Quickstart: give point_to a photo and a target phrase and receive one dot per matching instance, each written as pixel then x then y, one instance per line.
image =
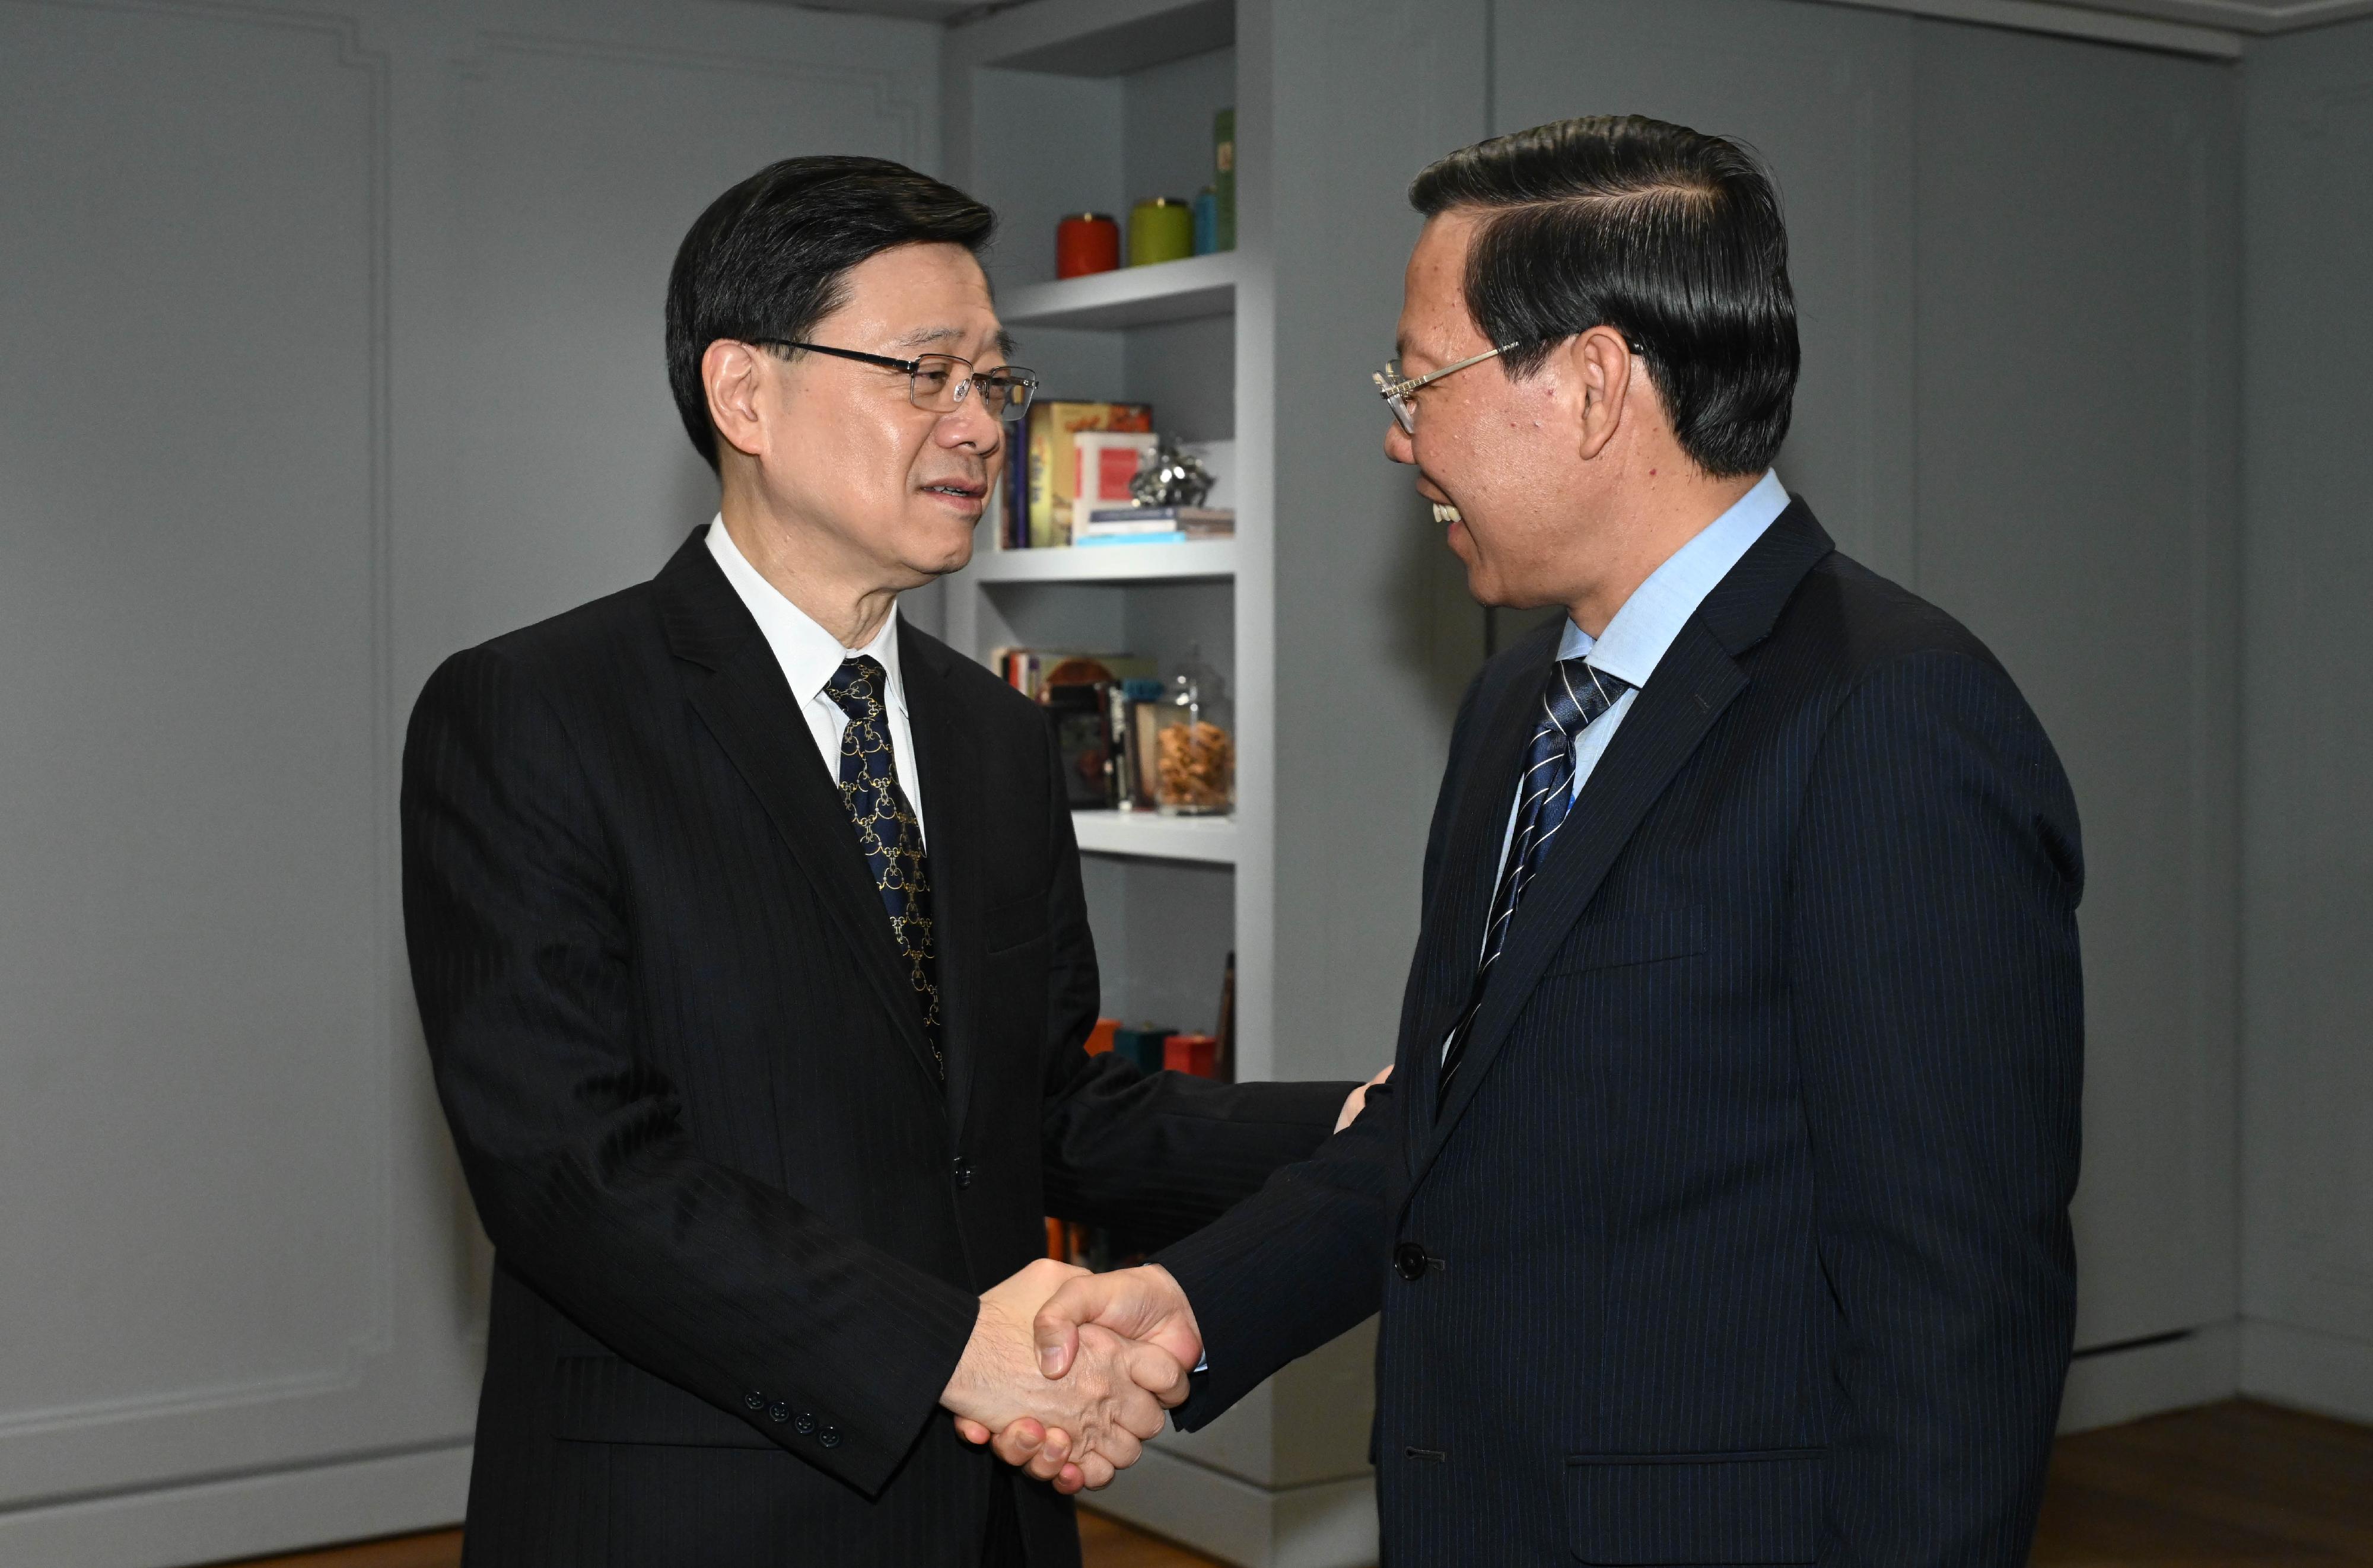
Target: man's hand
pixel 1091 1416
pixel 1358 1099
pixel 1143 1308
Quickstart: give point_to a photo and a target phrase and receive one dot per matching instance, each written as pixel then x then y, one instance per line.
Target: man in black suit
pixel 1717 1211
pixel 746 926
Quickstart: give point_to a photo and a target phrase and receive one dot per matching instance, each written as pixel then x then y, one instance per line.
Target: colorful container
pixel 1086 242
pixel 1161 228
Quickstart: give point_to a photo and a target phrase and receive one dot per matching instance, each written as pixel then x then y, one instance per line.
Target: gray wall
pixel 346 323
pixel 332 342
pixel 2307 725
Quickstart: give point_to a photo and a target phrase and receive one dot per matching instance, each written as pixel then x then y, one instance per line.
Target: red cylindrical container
pixel 1086 242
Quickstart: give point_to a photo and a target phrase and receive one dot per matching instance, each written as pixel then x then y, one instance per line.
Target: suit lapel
pixel 738 691
pixel 1453 938
pixel 1696 680
pixel 944 736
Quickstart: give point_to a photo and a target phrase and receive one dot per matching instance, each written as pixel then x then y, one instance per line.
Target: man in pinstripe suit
pixel 1717 1211
pixel 748 933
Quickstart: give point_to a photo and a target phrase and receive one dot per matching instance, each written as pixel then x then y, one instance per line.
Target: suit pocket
pixel 1647 938
pixel 603 1400
pixel 1642 1509
pixel 1009 928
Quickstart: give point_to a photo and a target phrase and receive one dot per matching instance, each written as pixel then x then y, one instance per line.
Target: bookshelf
pixel 1151 836
pixel 1133 297
pixel 1195 561
pixel 1062 106
pixel 1119 98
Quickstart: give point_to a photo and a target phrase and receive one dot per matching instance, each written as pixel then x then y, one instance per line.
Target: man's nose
pixel 971 424
pixel 1398 445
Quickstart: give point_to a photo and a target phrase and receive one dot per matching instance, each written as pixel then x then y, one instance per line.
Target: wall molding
pixel 375 1338
pixel 1325 1524
pixel 2304 1368
pixel 284 1510
pixel 2242 15
pixel 2195 1368
pixel 893 101
pixel 2068 21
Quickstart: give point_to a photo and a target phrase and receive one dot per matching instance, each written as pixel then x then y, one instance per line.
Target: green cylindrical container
pixel 1161 228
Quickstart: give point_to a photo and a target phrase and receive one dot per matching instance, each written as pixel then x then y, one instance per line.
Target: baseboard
pixel 2197 1368
pixel 247 1516
pixel 1329 1525
pixel 2305 1367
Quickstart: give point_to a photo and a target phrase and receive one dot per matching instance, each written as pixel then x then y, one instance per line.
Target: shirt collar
pixel 809 654
pixel 1634 641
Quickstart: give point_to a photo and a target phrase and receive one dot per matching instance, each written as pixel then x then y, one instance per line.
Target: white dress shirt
pixel 810 656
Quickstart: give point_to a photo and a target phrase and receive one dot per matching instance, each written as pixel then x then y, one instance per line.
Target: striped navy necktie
pixel 888 833
pixel 1575 695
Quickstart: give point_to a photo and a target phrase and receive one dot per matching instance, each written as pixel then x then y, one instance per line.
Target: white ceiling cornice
pixel 2241 16
pixel 2211 28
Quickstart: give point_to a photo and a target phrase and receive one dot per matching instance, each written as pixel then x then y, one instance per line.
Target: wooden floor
pixel 2237 1485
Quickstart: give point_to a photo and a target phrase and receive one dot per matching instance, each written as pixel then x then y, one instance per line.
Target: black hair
pixel 769 258
pixel 1671 236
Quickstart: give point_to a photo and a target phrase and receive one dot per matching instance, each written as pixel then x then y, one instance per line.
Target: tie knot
pixel 858 686
pixel 1576 693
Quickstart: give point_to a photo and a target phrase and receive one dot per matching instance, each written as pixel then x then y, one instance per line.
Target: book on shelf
pixel 1051 468
pixel 1031 671
pixel 1104 466
pixel 1153 525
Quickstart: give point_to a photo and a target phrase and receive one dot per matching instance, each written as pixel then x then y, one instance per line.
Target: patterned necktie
pixel 1575 695
pixel 887 832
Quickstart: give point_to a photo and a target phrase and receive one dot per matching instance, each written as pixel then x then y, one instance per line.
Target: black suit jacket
pixel 741 1225
pixel 1743 1236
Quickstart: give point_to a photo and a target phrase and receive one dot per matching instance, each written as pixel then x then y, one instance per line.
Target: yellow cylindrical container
pixel 1161 228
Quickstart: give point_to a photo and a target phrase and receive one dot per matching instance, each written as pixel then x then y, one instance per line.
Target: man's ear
pixel 734 377
pixel 1601 366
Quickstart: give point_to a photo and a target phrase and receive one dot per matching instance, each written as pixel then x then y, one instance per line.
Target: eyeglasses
pixel 1395 387
pixel 939 383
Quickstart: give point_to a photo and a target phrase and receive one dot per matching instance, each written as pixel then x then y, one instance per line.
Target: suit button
pixel 778 1412
pixel 963 1172
pixel 1409 1261
pixel 755 1400
pixel 829 1437
pixel 805 1424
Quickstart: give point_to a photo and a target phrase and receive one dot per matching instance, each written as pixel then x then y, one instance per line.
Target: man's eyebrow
pixel 925 336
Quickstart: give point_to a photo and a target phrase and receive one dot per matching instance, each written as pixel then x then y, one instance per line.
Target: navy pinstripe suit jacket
pixel 1743 1236
pixel 739 1219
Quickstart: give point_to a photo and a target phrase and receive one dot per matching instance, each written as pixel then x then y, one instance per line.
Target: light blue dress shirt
pixel 1635 640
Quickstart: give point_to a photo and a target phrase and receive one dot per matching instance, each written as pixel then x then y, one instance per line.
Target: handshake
pixel 1068 1372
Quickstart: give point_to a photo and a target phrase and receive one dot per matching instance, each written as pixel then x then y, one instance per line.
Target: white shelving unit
pixel 1133 297
pixel 1121 96
pixel 1064 106
pixel 1209 841
pixel 1196 561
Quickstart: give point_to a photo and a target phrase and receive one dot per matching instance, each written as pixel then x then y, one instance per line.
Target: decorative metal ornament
pixel 1169 478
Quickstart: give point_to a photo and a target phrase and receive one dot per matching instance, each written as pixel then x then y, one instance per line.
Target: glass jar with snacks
pixel 1195 755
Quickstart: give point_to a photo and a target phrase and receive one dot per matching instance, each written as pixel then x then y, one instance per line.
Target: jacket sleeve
pixel 1152 1154
pixel 1938 1013
pixel 573 1143
pixel 1305 1259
